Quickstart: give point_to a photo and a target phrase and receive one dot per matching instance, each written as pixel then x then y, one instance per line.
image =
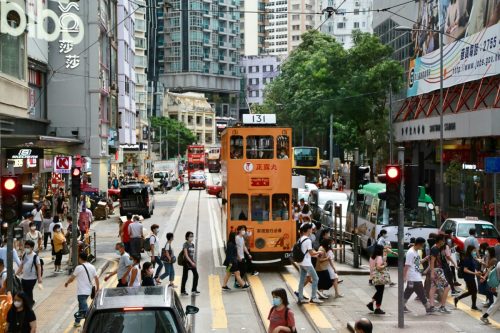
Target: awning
pixel 39 141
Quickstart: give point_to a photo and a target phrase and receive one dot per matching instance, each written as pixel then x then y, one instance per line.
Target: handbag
pixel 65 248
pixel 381 278
pixel 92 293
pixel 164 256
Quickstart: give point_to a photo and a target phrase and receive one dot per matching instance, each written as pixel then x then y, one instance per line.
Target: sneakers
pixel 237 285
pixel 321 295
pixel 184 293
pixel 195 293
pixel 255 273
pixel 316 301
pixel 392 284
pixel 443 309
pixel 296 293
pixel 78 324
pixel 379 311
pixel 485 320
pixel 430 310
pixel 370 306
pixel 226 288
pixel 339 296
pixel 246 286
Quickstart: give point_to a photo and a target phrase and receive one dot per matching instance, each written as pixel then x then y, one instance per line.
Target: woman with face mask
pixel 147 275
pixel 21 318
pixel 35 236
pixel 470 272
pixel 59 241
pixel 281 318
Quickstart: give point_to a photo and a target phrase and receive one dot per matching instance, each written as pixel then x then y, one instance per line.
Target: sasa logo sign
pixel 14 21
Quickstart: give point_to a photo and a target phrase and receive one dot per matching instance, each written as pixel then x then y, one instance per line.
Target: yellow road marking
pixel 261 298
pixel 219 319
pixel 312 310
pixel 474 314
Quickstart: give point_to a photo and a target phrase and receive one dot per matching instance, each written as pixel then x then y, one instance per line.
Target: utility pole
pixel 178 144
pixel 161 156
pixel 331 145
pixel 355 206
pixel 166 139
pixel 391 154
pixel 401 230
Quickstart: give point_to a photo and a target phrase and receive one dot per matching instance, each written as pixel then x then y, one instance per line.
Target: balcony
pixel 221 58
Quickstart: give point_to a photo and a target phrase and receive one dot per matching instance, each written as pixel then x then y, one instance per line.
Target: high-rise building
pixel 200 49
pixel 252 27
pixel 277 30
pixel 257 72
pixel 350 15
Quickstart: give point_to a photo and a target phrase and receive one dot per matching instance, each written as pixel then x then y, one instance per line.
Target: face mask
pixel 28 250
pixel 474 255
pixel 18 304
pixel 156 231
pixel 276 301
pixel 118 252
pixel 33 228
pixel 191 238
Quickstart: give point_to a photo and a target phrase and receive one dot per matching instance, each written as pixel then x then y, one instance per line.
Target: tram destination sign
pixel 259 119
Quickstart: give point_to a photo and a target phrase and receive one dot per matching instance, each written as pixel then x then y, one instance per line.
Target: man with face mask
pixel 241 250
pixel 154 245
pixel 438 276
pixel 30 268
pixel 84 274
pixel 124 266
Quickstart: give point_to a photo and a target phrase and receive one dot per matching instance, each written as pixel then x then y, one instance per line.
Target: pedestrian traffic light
pixel 10 205
pixel 75 181
pixel 411 186
pixel 361 173
pixel 393 185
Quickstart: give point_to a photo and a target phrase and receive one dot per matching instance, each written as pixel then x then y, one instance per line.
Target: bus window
pixel 282 147
pixel 383 214
pixel 280 207
pixel 365 210
pixel 236 149
pixel 260 147
pixel 374 210
pixel 239 207
pixel 260 207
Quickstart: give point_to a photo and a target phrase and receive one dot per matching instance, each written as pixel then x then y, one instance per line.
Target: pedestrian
pixel 84 220
pixel 30 269
pixel 35 236
pixel 47 220
pixel 189 265
pixel 147 273
pixel 38 216
pixel 124 266
pixel 25 225
pixel 363 325
pixel 332 272
pixel 470 272
pixel 21 318
pixel 378 264
pixel 471 240
pixel 59 201
pixel 136 233
pixel 84 274
pixel 134 277
pixel 248 255
pixel 231 262
pixel 168 259
pixel 412 275
pixel 281 318
pixel 124 234
pixel 306 266
pixel 496 305
pixel 438 267
pixel 497 249
pixel 482 281
pixel 154 245
pixel 3 255
pixel 241 251
pixel 59 244
pixel 452 256
pixel 322 264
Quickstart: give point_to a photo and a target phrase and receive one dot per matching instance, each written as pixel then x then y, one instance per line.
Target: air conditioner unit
pixel 357 3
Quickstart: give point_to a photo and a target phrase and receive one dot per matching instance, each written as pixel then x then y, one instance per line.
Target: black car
pixel 137 198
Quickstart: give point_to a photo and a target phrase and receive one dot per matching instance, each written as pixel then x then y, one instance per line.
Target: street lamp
pixel 441 129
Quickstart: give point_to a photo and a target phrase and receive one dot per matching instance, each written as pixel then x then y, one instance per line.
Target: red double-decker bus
pixel 195 159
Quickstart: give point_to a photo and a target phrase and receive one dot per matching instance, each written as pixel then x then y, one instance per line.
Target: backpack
pixel 147 244
pixel 33 263
pixel 286 317
pixel 297 254
pixel 493 280
pixel 181 260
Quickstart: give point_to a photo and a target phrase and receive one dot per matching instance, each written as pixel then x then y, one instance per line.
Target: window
pixel 295 17
pixel 12 55
pixel 260 207
pixel 282 146
pixel 356 25
pixel 295 38
pixel 295 27
pixel 340 25
pixel 281 204
pixel 239 207
pixel 127 86
pixel 236 143
pixel 356 11
pixel 260 147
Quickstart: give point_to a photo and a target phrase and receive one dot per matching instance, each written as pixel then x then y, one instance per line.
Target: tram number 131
pixel 259 119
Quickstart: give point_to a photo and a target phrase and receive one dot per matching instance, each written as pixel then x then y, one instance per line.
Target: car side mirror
pixel 191 309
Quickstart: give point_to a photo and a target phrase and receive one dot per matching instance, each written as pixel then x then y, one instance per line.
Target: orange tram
pixel 257 186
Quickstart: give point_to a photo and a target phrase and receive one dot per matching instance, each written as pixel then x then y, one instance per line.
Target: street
pixel 239 310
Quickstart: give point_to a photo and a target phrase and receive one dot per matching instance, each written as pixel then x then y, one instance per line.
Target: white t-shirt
pixel 305 247
pixel 153 241
pixel 382 242
pixel 3 277
pixel 413 263
pixel 30 269
pixel 35 237
pixel 137 281
pixel 240 246
pixel 37 215
pixel 135 230
pixel 331 272
pixel 84 286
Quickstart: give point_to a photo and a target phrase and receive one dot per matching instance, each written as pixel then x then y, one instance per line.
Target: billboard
pixel 471 37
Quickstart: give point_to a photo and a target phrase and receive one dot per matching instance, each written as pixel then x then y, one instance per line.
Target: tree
pixel 321 78
pixel 173 132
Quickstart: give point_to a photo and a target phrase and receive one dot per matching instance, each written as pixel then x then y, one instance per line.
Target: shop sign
pixel 62 164
pixel 18 163
pixel 469 166
pixel 266 167
pixel 31 162
pixel 492 164
pixel 24 153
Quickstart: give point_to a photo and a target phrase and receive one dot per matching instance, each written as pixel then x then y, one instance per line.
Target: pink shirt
pixel 277 318
pixel 373 262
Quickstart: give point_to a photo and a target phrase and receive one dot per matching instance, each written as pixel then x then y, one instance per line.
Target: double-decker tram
pixel 213 159
pixel 257 186
pixel 306 162
pixel 195 159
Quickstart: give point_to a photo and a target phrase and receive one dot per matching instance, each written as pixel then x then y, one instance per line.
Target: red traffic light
pixel 392 172
pixel 9 184
pixel 75 172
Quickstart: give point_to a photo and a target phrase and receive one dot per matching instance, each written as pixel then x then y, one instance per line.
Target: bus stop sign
pixel 492 164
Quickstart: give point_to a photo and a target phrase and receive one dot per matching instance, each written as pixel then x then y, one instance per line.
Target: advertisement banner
pixel 471 38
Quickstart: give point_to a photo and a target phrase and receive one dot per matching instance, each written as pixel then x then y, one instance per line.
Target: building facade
pixel 194 111
pixel 200 49
pixel 253 27
pixel 257 72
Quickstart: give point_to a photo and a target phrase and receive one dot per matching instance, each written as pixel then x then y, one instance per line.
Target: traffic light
pixel 361 173
pixel 75 181
pixel 13 192
pixel 411 186
pixel 393 184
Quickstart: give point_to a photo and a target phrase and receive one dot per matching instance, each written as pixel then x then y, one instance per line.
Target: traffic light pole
pixel 355 241
pixel 401 230
pixel 10 256
pixel 74 233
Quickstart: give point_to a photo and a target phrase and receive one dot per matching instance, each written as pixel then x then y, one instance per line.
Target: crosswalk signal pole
pixel 401 229
pixel 75 193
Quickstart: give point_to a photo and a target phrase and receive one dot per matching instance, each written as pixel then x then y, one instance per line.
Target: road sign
pixel 62 164
pixel 492 164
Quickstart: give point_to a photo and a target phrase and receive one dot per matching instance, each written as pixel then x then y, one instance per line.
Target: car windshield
pixel 483 230
pixel 338 197
pixel 150 321
pixel 159 174
pixel 197 177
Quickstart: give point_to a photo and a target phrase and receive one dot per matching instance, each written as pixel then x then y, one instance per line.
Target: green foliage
pixel 173 131
pixel 321 78
pixel 453 173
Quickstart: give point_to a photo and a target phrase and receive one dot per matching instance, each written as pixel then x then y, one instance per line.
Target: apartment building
pixel 257 72
pixel 252 27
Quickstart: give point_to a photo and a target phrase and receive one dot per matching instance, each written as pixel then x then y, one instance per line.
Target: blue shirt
pixel 3 255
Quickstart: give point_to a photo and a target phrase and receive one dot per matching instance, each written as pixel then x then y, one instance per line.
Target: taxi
pixel 485 231
pixel 197 180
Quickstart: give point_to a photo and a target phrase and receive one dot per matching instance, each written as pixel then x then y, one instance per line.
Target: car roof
pixel 464 220
pixel 119 298
pixel 134 185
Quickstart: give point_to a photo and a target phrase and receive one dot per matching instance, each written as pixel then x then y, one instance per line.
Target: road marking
pixel 219 319
pixel 215 237
pixel 261 298
pixel 474 314
pixel 313 311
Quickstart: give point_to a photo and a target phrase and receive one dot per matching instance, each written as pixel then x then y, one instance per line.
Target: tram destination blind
pixel 259 119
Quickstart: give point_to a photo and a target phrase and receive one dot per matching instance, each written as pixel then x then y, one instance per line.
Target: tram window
pixel 260 208
pixel 260 147
pixel 281 204
pixel 236 147
pixel 239 207
pixel 282 147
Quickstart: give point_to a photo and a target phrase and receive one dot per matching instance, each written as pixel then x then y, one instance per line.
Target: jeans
pixel 38 225
pixel 185 270
pixel 46 236
pixel 28 286
pixel 304 270
pixel 493 308
pixel 82 306
pixel 160 266
pixel 169 271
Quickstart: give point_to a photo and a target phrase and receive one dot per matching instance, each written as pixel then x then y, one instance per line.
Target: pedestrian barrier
pixel 5 305
pixel 89 245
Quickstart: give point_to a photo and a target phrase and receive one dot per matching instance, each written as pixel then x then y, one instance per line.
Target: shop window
pixel 260 147
pixel 239 207
pixel 281 204
pixel 282 144
pixel 260 208
pixel 236 144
